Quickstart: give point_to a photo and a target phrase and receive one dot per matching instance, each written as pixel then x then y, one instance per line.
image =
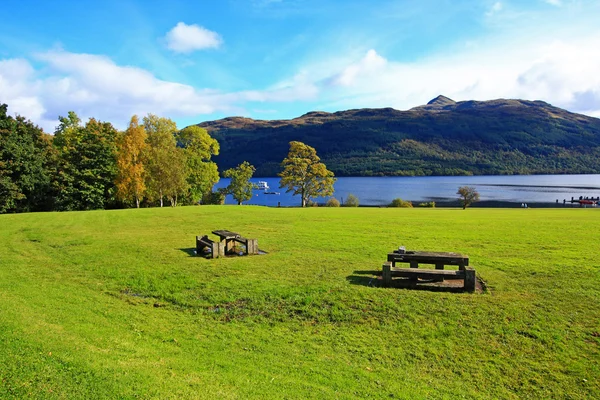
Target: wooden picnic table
pixel 228 238
pixel 439 259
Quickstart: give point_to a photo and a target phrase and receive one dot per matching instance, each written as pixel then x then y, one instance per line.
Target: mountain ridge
pixel 442 137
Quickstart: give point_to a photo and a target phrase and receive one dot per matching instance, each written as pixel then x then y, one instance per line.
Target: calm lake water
pixel 382 190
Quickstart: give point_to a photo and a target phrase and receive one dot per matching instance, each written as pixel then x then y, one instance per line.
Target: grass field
pixel 111 304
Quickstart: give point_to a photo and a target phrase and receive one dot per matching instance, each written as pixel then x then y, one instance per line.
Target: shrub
pixel 332 202
pixel 351 201
pixel 430 204
pixel 217 197
pixel 401 203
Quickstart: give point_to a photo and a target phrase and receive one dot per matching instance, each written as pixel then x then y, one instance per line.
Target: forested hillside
pixel 441 138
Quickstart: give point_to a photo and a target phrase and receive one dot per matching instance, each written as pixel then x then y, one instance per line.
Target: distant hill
pixel 443 137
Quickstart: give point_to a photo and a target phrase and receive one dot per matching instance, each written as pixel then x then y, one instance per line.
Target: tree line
pixel 151 163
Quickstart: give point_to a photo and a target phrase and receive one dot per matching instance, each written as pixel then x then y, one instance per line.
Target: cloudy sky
pixel 200 60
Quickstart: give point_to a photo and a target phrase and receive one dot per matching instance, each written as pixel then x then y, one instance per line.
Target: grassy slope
pixel 111 304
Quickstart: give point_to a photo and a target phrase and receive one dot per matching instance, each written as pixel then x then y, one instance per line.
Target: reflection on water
pixel 382 190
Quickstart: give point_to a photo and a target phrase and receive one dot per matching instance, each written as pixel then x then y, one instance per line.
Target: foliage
pixel 166 173
pixel 26 165
pixel 332 202
pixel 401 203
pixel 107 305
pixel 132 147
pixel 468 196
pixel 429 204
pixel 240 187
pixel 304 174
pixel 199 147
pixel 87 164
pixel 351 201
pixel 215 198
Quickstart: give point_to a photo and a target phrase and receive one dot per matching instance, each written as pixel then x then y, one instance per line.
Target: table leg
pixel 439 266
pixel 414 264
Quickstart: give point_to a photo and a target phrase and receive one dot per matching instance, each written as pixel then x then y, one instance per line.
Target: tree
pixel 87 164
pixel 202 174
pixel 468 196
pixel 351 201
pixel 130 163
pixel 240 187
pixel 304 174
pixel 166 173
pixel 27 163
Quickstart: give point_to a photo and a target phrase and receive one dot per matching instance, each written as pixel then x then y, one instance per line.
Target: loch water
pixel 377 191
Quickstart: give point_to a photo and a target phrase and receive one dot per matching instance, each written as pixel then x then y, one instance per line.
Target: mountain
pixel 443 137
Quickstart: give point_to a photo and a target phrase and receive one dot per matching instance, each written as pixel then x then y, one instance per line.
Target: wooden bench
pixel 228 239
pixel 216 249
pixel 467 274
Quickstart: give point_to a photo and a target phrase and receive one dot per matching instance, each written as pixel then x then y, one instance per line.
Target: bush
pixel 332 202
pixel 401 203
pixel 217 197
pixel 430 204
pixel 351 201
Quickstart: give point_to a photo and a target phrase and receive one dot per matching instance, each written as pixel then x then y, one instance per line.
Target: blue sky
pixel 194 61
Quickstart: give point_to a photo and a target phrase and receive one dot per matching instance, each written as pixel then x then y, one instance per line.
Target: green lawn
pixel 110 304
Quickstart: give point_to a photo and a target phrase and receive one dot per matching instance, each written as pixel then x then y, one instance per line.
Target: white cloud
pixel 496 8
pixel 368 65
pixel 94 86
pixel 562 72
pixel 557 3
pixel 185 38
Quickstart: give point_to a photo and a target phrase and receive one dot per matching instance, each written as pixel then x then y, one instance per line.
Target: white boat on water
pixel 262 185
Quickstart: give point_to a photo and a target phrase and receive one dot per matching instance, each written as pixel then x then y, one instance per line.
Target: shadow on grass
pixel 372 278
pixel 191 251
pixel 364 278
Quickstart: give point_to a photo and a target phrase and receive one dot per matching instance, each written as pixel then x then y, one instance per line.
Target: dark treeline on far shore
pixel 92 165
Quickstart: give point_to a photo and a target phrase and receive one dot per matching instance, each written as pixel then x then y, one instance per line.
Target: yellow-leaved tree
pixel 131 171
pixel 305 174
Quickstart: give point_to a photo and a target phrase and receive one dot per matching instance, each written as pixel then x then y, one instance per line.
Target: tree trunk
pixel 161 198
pixel 137 202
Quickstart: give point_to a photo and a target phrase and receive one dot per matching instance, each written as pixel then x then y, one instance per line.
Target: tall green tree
pixel 240 187
pixel 304 173
pixel 202 173
pixel 166 172
pixel 26 165
pixel 87 164
pixel 130 182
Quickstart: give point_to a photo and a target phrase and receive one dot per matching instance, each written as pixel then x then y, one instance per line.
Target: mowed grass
pixel 111 304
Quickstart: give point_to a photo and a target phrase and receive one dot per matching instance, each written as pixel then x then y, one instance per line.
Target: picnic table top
pixel 224 234
pixel 429 257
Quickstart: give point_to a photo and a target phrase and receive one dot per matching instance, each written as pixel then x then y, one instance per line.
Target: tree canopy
pixel 240 187
pixel 304 174
pixel 87 163
pixel 132 147
pixel 202 173
pixel 26 165
pixel 468 195
pixel 166 174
